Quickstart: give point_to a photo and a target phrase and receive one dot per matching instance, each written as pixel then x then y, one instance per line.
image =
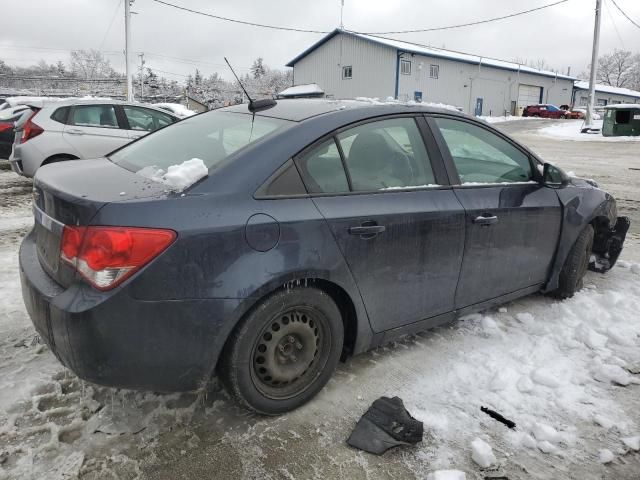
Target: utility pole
pixel 141 55
pixel 588 123
pixel 127 48
pixel 341 12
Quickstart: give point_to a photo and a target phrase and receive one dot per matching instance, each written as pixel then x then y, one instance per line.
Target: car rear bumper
pixel 113 339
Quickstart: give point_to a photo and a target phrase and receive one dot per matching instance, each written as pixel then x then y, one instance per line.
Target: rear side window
pixel 94 116
pixel 211 137
pixel 144 119
pixel 322 169
pixel 386 155
pixel 481 156
pixel 61 115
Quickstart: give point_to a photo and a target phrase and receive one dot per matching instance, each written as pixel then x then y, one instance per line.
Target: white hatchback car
pixel 80 129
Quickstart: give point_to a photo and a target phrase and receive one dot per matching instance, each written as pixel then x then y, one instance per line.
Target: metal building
pixel 347 65
pixel 605 95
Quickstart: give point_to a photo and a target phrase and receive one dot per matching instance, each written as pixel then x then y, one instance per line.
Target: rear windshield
pixel 211 137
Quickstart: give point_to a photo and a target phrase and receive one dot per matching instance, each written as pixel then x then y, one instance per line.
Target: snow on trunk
pixel 177 177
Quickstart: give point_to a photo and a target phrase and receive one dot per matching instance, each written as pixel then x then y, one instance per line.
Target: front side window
pixel 144 119
pixel 94 116
pixel 347 72
pixel 405 67
pixel 211 137
pixel 481 156
pixel 322 169
pixel 434 71
pixel 386 155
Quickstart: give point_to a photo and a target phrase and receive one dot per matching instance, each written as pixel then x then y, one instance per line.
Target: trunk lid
pixel 71 193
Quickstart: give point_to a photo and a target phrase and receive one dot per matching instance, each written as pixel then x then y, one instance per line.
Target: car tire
pixel 284 351
pixel 576 265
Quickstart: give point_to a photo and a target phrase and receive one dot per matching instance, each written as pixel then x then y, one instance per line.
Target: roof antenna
pixel 254 105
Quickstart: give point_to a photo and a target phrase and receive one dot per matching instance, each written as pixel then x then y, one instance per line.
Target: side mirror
pixel 553 176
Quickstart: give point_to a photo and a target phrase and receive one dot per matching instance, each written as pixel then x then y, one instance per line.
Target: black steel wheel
pixel 575 266
pixel 284 351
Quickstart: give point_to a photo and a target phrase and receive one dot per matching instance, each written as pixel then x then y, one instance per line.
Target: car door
pixel 512 221
pixel 397 222
pixel 94 130
pixel 142 121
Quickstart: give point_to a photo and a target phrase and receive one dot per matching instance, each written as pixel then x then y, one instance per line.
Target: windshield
pixel 553 108
pixel 211 137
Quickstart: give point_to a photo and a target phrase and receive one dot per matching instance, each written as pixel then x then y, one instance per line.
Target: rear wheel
pixel 284 351
pixel 576 265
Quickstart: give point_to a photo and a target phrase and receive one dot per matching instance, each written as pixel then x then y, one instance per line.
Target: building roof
pixel 582 85
pixel 431 52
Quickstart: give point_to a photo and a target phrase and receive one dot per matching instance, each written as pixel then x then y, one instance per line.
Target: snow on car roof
pixel 308 89
pixel 433 52
pixel 582 85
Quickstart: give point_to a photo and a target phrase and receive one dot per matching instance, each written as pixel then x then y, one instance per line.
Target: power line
pixel 623 13
pixel 243 22
pixel 115 13
pixel 479 22
pixel 613 22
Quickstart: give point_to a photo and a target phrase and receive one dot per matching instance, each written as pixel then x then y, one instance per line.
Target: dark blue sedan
pixel 318 230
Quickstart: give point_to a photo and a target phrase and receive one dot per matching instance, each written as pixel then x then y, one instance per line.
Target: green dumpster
pixel 621 120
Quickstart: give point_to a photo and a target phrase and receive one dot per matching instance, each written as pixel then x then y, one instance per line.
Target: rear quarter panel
pixel 212 259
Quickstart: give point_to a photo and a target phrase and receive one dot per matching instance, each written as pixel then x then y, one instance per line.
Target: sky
pixel 175 43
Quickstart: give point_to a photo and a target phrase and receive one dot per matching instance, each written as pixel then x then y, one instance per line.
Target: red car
pixel 543 111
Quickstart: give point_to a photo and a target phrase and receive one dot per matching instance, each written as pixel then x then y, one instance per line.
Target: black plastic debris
pixel 495 415
pixel 386 424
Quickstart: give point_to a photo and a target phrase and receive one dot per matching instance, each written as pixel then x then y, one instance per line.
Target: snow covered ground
pixel 566 372
pixel 570 130
pixel 507 118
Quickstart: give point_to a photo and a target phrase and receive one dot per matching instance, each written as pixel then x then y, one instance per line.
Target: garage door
pixel 528 95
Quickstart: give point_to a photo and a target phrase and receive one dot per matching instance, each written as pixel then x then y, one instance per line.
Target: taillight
pixel 5 126
pixel 31 129
pixel 106 256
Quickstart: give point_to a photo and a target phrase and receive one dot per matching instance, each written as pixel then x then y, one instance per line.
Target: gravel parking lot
pixel 563 371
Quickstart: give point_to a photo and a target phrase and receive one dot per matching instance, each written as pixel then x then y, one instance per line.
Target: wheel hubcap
pixel 287 351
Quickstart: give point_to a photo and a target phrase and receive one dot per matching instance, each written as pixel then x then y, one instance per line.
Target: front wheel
pixel 284 351
pixel 575 266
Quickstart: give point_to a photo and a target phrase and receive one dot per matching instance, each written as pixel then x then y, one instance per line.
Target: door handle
pixel 75 131
pixel 485 220
pixel 367 231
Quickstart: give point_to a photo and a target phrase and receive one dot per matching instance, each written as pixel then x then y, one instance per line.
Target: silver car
pixel 80 129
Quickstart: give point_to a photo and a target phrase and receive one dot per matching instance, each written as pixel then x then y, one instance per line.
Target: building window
pixel 434 71
pixel 584 101
pixel 347 72
pixel 601 102
pixel 405 67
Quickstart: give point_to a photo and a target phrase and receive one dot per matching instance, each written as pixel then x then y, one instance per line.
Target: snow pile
pixel 571 130
pixel 632 442
pixel 506 118
pixel 482 453
pixel 447 475
pixel 177 177
pixel 606 456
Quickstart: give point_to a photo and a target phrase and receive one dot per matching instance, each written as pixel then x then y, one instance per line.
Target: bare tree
pixel 616 69
pixel 90 64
